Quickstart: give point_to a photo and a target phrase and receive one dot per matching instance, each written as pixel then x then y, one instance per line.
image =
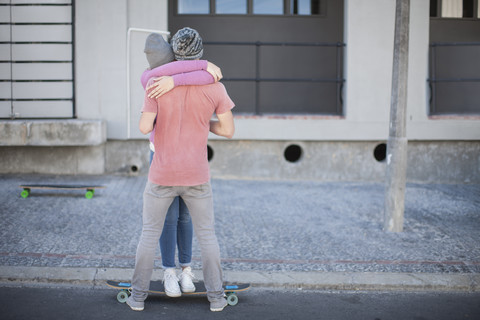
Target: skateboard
pixel 157 287
pixel 90 190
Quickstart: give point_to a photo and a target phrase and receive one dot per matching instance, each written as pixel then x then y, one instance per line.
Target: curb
pixel 381 281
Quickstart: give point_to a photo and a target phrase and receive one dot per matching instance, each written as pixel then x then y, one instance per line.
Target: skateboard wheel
pixel 232 299
pixel 25 193
pixel 122 296
pixel 89 194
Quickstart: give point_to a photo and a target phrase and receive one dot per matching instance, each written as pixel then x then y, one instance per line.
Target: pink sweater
pixel 188 72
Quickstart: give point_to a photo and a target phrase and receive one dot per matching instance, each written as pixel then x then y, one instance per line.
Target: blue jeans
pixel 177 231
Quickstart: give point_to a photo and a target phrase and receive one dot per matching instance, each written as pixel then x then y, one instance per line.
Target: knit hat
pixel 187 44
pixel 157 50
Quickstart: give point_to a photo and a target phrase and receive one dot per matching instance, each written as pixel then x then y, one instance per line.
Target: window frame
pixel 287 11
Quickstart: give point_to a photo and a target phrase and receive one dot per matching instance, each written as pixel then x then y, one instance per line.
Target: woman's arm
pixel 172 68
pixel 157 87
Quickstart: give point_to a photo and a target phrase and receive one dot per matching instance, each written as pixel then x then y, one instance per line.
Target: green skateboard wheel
pixel 89 194
pixel 25 193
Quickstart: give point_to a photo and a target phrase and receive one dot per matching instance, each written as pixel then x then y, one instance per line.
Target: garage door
pixel 277 56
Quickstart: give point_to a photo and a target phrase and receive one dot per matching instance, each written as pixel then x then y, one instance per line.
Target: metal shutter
pixel 36 59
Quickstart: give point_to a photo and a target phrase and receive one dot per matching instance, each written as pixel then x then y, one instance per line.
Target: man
pixel 180 168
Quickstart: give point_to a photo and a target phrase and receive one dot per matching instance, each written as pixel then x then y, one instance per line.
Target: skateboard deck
pixel 90 190
pixel 157 287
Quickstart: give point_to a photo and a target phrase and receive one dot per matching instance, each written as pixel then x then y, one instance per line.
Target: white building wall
pixel 101 52
pixel 369 30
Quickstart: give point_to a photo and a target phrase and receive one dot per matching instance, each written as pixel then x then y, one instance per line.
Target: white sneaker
pixel 186 280
pixel 170 282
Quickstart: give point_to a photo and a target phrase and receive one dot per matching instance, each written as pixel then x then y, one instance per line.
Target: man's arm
pixel 225 126
pixel 146 122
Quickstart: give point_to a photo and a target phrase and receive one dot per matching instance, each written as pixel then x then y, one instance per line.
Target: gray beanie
pixel 187 44
pixel 157 50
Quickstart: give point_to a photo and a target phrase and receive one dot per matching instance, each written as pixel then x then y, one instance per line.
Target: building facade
pixel 311 81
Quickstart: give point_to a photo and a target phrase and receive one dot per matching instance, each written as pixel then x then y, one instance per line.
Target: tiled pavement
pixel 262 226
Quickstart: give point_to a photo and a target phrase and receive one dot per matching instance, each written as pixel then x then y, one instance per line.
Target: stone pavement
pixel 306 234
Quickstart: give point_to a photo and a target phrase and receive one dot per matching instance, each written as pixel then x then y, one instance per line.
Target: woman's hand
pixel 215 71
pixel 160 86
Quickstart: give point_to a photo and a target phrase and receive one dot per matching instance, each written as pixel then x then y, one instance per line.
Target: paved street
pixel 85 303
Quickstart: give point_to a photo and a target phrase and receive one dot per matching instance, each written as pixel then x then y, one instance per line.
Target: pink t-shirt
pixel 185 72
pixel 181 133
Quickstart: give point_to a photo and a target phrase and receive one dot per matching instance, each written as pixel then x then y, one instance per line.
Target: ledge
pixel 383 281
pixel 70 132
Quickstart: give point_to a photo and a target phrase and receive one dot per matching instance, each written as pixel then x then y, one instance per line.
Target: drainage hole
pixel 293 153
pixel 380 152
pixel 134 168
pixel 209 153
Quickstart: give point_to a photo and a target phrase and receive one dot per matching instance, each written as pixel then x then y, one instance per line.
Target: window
pixel 305 7
pixel 454 9
pixel 252 7
pixel 231 7
pixel 193 6
pixel 268 6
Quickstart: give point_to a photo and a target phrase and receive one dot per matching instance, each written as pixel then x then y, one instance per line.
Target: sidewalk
pixel 313 235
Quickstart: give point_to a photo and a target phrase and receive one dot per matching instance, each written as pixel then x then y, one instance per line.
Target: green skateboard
pixel 90 190
pixel 158 288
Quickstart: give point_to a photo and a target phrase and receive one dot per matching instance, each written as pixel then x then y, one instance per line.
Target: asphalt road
pixel 72 303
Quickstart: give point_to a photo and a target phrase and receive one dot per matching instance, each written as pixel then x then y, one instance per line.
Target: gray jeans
pixel 156 201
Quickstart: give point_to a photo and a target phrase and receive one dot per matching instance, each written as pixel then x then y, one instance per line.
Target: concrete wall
pixel 127 157
pixel 52 146
pixel 432 162
pixel 52 132
pixel 53 160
